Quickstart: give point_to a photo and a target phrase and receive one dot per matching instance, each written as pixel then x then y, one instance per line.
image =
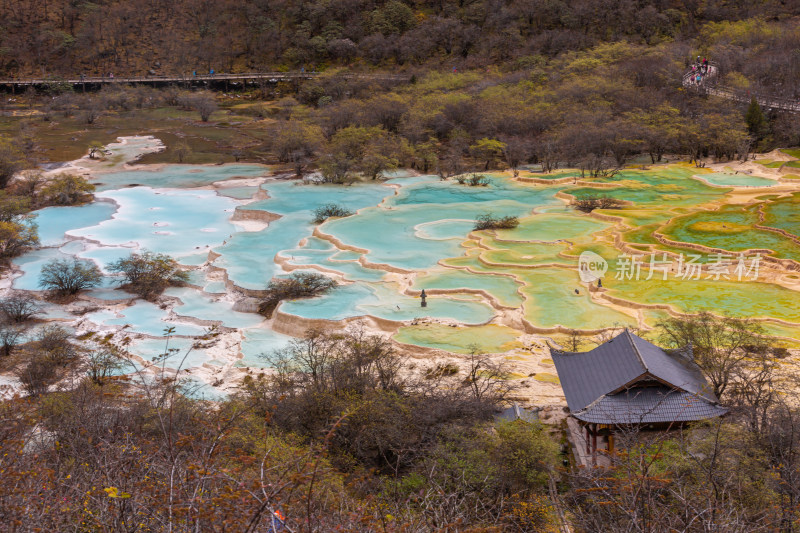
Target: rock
pixel 151 72
pixel 247 305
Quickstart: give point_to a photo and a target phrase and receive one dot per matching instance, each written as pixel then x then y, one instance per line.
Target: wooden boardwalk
pixel 248 77
pixel 710 86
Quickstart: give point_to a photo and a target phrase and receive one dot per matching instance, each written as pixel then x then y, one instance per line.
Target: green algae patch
pixel 769 163
pixel 732 228
pixel 734 298
pixel 664 187
pixel 781 330
pixel 792 152
pixel 546 377
pixel 718 227
pixel 489 338
pixel 784 214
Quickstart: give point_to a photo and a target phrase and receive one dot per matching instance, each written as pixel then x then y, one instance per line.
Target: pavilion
pixel 630 383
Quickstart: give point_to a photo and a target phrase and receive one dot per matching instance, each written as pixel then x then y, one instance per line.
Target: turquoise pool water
pixel 382 301
pixel 54 222
pixel 179 223
pixel 196 305
pixel 408 231
pixel 248 257
pixel 146 318
pixel 257 342
pixel 178 176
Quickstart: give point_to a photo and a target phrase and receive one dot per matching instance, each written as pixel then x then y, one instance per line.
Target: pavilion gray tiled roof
pixel 595 382
pixel 648 405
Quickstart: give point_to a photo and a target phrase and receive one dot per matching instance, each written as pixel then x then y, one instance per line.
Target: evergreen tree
pixel 756 122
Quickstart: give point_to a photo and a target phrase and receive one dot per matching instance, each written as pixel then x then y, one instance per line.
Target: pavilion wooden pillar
pixel 588 440
pixel 594 445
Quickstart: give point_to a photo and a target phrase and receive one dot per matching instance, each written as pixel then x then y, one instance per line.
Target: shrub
pixel 324 212
pixel 19 307
pixel 204 103
pixel 67 190
pixel 18 231
pixel 473 180
pixel 488 221
pixel 64 277
pixel 94 147
pixel 441 370
pixel 9 338
pixel 11 160
pixel 102 363
pixel 478 180
pixel 148 274
pixel 36 375
pixel 298 285
pixel 587 204
pixel 50 350
pixel 53 343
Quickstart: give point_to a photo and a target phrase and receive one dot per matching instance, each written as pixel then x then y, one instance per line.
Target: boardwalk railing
pixel 269 77
pixel 709 85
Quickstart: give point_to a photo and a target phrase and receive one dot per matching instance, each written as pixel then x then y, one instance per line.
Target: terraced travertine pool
pixel 236 227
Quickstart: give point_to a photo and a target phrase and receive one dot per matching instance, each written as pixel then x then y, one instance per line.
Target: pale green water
pixel 240 193
pixel 551 301
pixel 736 180
pixel 490 338
pixel 504 288
pixel 554 227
